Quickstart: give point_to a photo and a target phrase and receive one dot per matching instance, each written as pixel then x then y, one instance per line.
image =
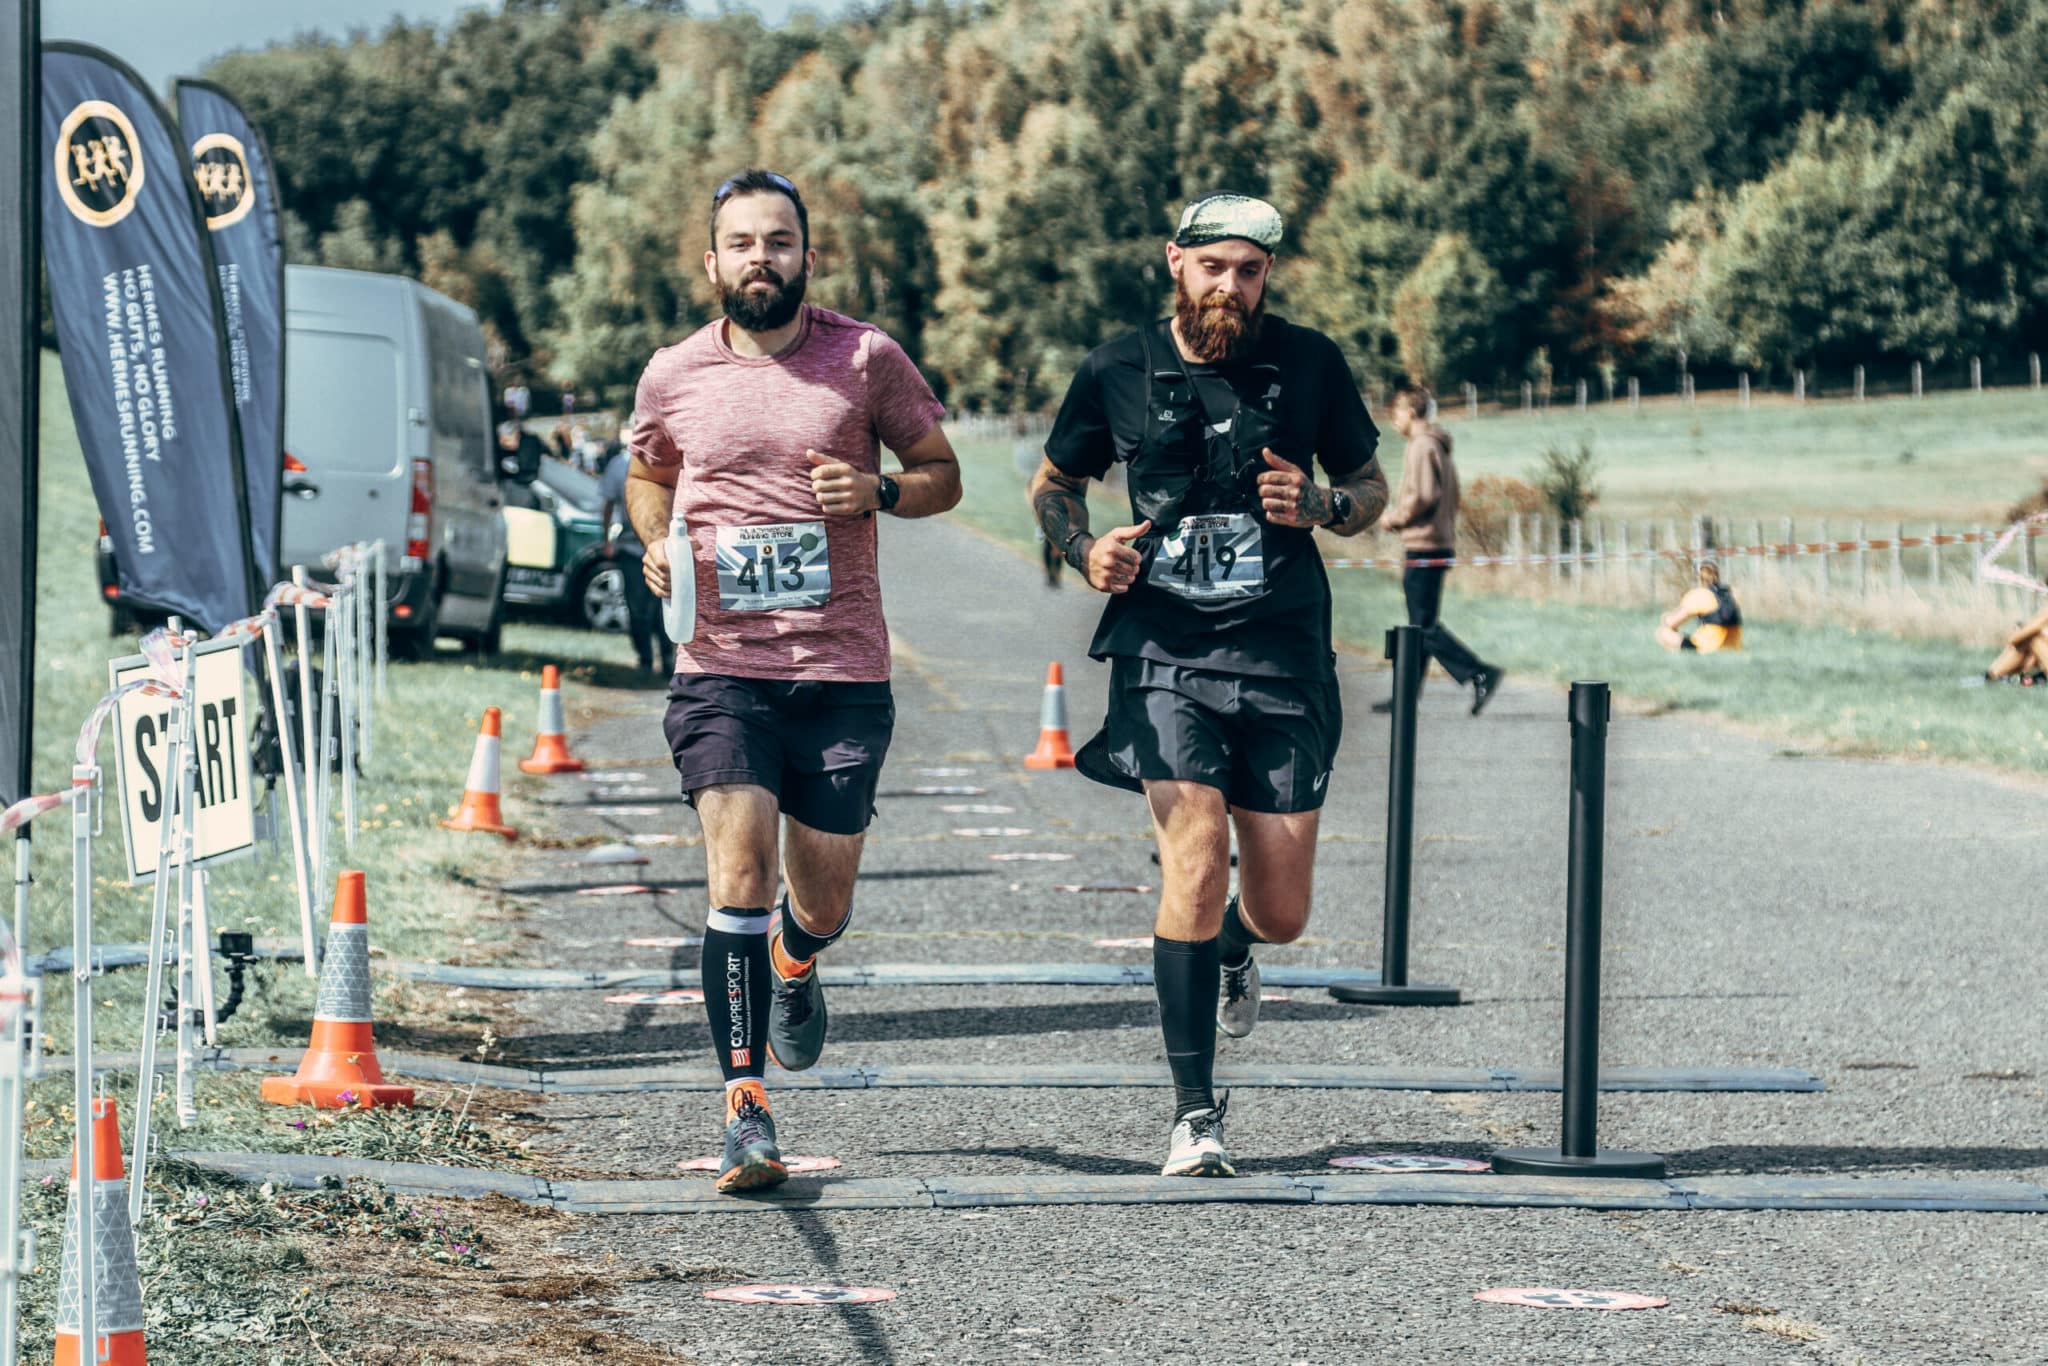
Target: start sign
pixel 143 726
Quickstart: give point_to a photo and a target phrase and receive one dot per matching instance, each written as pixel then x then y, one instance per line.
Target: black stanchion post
pixel 1580 1153
pixel 1404 648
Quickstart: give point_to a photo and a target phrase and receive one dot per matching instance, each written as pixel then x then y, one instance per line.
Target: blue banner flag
pixel 231 163
pixel 19 378
pixel 139 324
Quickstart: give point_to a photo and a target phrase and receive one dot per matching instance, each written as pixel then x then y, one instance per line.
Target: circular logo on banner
pixel 99 164
pixel 221 166
pixel 1401 1163
pixel 1543 1297
pixel 800 1294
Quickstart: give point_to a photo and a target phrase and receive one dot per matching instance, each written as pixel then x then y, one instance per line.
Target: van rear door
pixel 344 421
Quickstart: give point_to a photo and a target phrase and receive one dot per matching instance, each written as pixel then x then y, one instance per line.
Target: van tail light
pixel 293 465
pixel 419 523
pixel 112 591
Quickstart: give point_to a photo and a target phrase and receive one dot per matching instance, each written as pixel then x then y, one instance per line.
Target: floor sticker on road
pixel 681 996
pixel 654 839
pixel 990 832
pixel 982 809
pixel 666 941
pixel 624 810
pixel 1543 1297
pixel 1032 856
pixel 942 792
pixel 614 853
pixel 800 1294
pixel 627 776
pixel 623 889
pixel 796 1166
pixel 1144 942
pixel 943 772
pixel 1139 888
pixel 1400 1163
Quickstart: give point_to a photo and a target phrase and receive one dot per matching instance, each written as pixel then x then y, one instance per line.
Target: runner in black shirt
pixel 1223 694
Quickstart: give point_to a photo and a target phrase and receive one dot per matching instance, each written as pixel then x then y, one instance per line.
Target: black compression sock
pixel 1234 944
pixel 799 943
pixel 736 977
pixel 1187 978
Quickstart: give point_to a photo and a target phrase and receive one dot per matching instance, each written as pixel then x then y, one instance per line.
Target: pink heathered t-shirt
pixel 739 426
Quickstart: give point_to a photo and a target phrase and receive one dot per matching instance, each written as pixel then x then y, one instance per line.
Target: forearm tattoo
pixel 1062 508
pixel 1313 504
pixel 1368 493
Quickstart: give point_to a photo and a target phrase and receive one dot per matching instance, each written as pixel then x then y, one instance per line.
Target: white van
pixel 388 436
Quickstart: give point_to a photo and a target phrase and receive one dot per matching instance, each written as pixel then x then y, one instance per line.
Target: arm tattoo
pixel 1313 506
pixel 1062 508
pixel 1368 492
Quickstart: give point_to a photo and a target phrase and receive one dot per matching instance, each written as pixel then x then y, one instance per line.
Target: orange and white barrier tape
pixel 2037 525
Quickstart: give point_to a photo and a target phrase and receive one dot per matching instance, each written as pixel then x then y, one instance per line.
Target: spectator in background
pixel 568 400
pixel 2025 657
pixel 1706 619
pixel 517 399
pixel 1425 513
pixel 643 609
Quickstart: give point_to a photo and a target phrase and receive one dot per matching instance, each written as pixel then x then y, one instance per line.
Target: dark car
pixel 555 532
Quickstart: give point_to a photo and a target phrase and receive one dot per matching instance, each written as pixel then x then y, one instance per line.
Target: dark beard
pixel 1217 330
pixel 752 313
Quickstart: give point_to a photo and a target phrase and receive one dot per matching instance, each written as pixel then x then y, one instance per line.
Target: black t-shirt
pixel 1283 631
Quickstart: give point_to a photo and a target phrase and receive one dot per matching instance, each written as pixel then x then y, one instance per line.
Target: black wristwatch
pixel 1340 508
pixel 887 492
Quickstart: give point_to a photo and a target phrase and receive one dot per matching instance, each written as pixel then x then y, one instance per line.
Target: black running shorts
pixel 1267 743
pixel 817 746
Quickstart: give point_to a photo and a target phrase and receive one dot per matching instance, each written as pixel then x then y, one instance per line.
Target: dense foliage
pixel 1485 190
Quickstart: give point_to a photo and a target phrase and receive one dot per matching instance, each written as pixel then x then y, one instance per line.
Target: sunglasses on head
pixel 731 186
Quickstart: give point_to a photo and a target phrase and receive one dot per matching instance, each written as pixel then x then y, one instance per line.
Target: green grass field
pixel 1839 688
pixel 1957 458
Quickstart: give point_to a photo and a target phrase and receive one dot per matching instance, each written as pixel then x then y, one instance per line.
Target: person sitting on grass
pixel 2025 657
pixel 1707 619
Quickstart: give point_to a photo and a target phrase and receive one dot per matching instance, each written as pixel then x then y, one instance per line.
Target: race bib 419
pixel 1211 557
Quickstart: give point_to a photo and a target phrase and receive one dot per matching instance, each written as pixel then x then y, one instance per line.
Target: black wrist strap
pixel 1070 550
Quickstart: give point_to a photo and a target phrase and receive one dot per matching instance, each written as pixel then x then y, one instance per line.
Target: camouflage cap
pixel 1215 217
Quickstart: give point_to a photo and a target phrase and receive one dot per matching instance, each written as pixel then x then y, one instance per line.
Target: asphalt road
pixel 1876 923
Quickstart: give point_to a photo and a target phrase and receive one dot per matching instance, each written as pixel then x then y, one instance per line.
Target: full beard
pixel 1218 329
pixel 753 310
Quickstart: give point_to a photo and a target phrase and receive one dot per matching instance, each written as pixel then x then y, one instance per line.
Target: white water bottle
pixel 679 613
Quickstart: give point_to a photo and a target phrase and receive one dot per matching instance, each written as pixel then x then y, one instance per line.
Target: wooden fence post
pixel 1898 559
pixel 1933 558
pixel 1824 569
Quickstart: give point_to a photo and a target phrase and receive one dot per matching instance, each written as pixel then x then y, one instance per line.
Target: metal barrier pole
pixel 383 621
pixel 347 712
pixel 88 777
pixel 360 666
pixel 15 1244
pixel 308 706
pixel 1405 649
pixel 294 805
pixel 179 807
pixel 1580 1154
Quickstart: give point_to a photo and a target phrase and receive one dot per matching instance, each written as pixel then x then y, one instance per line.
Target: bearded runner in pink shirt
pixel 764 431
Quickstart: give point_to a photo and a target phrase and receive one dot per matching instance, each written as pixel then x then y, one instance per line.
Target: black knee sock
pixel 1187 979
pixel 799 943
pixel 736 977
pixel 1234 944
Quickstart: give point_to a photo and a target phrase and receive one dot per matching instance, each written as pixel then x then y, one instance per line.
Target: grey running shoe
pixel 1197 1146
pixel 752 1161
pixel 1239 1010
pixel 1485 686
pixel 796 1019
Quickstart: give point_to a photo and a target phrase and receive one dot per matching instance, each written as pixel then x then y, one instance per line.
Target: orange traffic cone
pixel 479 809
pixel 116 1281
pixel 1054 750
pixel 340 1067
pixel 551 746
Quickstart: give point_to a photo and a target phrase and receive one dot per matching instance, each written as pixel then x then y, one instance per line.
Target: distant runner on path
pixel 764 430
pixel 1222 689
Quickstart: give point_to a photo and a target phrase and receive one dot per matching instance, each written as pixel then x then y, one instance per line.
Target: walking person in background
pixel 517 399
pixel 1425 513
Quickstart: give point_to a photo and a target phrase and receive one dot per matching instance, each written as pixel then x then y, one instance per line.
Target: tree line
pixel 1483 190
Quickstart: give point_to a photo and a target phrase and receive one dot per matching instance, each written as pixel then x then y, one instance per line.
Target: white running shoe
pixel 1197 1147
pixel 1238 1012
